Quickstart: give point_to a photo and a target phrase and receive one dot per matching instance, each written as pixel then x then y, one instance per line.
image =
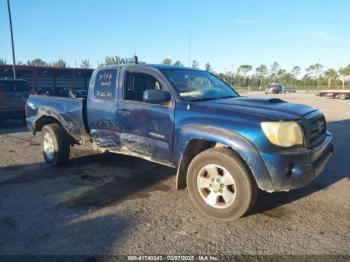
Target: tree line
pixel 313 76
pixel 84 63
pixel 245 76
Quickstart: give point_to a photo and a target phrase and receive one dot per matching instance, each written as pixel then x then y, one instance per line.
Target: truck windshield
pixel 195 85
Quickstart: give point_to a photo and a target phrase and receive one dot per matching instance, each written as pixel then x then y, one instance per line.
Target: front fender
pixel 242 146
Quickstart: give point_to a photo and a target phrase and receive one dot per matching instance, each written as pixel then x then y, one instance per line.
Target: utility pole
pixel 12 44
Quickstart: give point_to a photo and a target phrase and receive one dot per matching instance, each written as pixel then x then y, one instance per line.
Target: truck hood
pixel 272 109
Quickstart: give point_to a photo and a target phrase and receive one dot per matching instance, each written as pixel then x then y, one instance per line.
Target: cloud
pixel 243 21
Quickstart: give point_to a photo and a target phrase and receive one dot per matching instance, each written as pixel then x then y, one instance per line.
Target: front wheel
pixel 55 144
pixel 220 185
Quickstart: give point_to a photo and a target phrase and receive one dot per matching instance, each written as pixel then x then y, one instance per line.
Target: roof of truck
pixel 157 66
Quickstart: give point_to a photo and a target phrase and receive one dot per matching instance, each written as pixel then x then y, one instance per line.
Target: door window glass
pixel 105 84
pixel 137 83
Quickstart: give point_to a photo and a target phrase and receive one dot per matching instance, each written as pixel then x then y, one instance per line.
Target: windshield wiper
pixel 224 97
pixel 211 98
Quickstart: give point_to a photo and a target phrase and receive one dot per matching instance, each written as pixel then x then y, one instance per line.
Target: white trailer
pixel 339 94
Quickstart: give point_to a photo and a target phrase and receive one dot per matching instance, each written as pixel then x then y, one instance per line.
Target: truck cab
pixel 137 117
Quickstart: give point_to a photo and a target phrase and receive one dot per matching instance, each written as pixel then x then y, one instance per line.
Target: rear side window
pixel 105 84
pixel 19 86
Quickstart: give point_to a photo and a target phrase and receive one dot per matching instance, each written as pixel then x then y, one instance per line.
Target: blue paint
pixel 161 132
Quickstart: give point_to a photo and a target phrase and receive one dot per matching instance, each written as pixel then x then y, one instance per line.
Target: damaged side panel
pixel 67 111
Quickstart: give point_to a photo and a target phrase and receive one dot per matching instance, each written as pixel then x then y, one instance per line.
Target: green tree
pixel 315 72
pixel 286 78
pixel 244 70
pixel 37 62
pixel 281 73
pixel 178 63
pixel 344 72
pixel 274 69
pixel 195 64
pixel 167 61
pixel 59 63
pixel 85 63
pixel 296 72
pixel 261 73
pixel 2 61
pixel 117 60
pixel 208 67
pixel 330 74
pixel 112 60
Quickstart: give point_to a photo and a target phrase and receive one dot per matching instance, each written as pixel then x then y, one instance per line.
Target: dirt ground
pixel 112 204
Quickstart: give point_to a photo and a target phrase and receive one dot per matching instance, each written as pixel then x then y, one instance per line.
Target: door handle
pixel 124 112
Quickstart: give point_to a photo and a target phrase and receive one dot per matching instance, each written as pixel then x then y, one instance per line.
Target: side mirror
pixel 156 96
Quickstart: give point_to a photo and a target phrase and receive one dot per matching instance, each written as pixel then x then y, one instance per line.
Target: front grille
pixel 316 130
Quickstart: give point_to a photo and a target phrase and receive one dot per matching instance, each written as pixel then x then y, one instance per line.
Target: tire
pixel 55 145
pixel 240 195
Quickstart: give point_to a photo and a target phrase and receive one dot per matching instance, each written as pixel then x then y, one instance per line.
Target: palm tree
pixel 85 63
pixel 344 72
pixel 315 70
pixel 296 71
pixel 245 70
pixel 274 68
pixel 261 73
pixel 330 74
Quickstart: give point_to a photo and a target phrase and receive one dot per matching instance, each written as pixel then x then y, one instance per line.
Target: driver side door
pixel 146 129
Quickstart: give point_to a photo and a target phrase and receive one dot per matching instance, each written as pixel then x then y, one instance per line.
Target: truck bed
pixel 70 112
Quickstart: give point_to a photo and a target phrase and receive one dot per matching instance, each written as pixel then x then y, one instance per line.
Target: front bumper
pixel 297 169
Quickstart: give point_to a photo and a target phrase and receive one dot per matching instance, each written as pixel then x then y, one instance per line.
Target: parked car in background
pixel 276 88
pixel 273 88
pixel 13 97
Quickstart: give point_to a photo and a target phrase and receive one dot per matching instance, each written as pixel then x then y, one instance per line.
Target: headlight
pixel 284 134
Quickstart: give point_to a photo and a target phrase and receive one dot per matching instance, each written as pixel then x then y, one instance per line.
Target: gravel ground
pixel 112 204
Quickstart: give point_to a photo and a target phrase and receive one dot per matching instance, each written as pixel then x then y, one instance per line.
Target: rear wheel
pixel 220 185
pixel 55 144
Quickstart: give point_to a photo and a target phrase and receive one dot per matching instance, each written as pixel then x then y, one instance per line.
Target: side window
pixel 136 83
pixel 105 84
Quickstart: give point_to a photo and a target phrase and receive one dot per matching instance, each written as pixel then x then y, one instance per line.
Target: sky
pixel 224 33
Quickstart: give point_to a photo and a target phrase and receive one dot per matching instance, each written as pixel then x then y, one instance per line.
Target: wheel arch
pixel 198 139
pixel 45 120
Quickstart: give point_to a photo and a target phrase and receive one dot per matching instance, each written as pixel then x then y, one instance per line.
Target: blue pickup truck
pixel 224 146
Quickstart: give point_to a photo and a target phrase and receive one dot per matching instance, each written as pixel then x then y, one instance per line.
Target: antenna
pixel 136 59
pixel 189 47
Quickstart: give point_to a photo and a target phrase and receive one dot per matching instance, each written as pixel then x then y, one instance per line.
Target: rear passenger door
pixel 146 129
pixel 102 108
